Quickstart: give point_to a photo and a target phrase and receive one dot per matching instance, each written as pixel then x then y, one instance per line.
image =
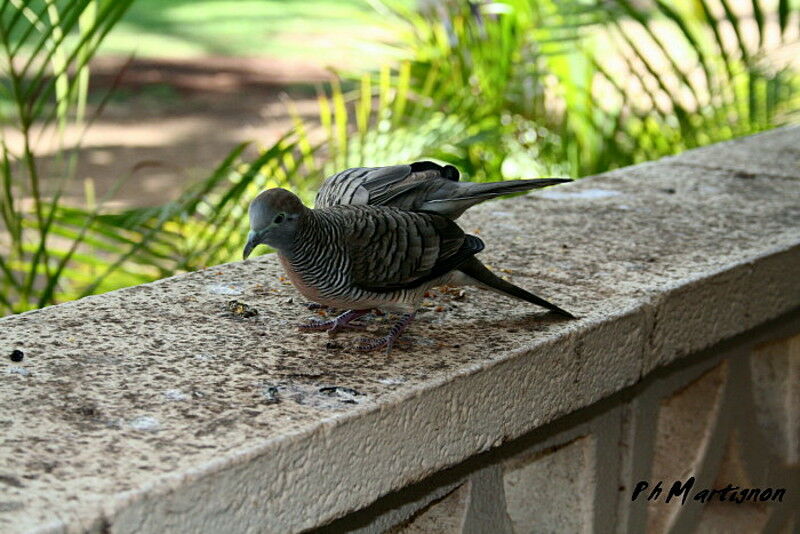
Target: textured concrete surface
pixel 550 489
pixel 701 417
pixel 776 379
pixel 159 408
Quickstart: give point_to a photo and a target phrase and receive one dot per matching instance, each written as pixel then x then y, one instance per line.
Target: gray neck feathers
pixel 318 253
pixel 316 237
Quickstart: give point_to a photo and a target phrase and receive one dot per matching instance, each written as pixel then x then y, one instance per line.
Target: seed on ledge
pixel 240 310
pixel 17 355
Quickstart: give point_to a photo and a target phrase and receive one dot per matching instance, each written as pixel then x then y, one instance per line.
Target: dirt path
pixel 184 116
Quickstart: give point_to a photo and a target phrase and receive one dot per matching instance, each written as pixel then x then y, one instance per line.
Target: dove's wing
pixel 391 249
pixel 402 186
pixel 420 186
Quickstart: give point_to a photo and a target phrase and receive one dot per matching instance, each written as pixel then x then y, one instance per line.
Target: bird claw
pixel 331 326
pixel 339 327
pixel 312 326
pixel 335 325
pixel 388 341
pixel 365 344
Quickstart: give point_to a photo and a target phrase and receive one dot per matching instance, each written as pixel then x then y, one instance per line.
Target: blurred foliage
pixel 518 88
pixel 46 47
pixel 525 88
pixel 579 87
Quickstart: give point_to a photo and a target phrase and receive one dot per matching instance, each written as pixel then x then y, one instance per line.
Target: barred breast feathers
pixel 367 252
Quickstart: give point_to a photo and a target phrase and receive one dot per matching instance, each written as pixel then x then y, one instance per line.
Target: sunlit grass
pixel 320 31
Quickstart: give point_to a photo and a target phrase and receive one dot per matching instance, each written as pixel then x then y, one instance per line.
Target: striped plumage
pixel 356 257
pixel 427 187
pixel 360 257
pixel 419 186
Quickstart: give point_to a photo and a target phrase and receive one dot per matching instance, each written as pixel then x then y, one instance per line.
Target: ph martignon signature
pixel 729 493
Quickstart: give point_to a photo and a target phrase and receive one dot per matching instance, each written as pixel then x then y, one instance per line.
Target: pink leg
pixel 334 325
pixel 388 340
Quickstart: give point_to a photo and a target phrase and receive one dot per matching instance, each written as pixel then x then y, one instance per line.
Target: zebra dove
pixel 429 187
pixel 362 257
pixel 420 186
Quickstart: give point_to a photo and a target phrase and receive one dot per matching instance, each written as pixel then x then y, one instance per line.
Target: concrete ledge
pixel 155 408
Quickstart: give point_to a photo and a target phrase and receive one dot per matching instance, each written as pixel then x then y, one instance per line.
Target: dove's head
pixel 274 218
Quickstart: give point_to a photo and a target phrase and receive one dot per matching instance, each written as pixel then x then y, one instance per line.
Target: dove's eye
pixel 278 218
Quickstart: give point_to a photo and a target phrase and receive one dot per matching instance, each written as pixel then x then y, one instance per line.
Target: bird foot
pixel 365 344
pixel 332 326
pixel 388 341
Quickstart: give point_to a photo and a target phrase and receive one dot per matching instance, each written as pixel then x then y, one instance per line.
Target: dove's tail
pixel 455 198
pixel 478 271
pixel 494 189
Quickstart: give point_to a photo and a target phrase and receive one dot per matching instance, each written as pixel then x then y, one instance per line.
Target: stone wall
pixel 163 408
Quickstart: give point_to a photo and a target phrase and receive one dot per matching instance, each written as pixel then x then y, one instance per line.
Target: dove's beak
pixel 252 242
